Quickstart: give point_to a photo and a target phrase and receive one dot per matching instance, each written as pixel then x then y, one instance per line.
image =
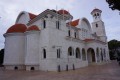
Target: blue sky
pixel 9 10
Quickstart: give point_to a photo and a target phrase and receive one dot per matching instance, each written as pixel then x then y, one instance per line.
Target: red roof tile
pixel 63 12
pixel 74 23
pixel 33 28
pixel 17 28
pixel 32 15
pixel 87 40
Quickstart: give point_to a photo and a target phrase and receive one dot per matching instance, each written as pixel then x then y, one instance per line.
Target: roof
pixel 32 15
pixel 63 11
pixel 17 28
pixel 96 9
pixel 87 40
pixel 74 23
pixel 33 28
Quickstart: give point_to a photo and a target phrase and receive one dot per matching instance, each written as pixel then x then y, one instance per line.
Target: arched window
pixel 94 14
pixel 75 34
pixel 57 24
pixel 77 53
pixel 44 24
pixel 96 25
pixel 97 14
pixel 70 51
pixel 58 53
pixel 44 53
pixel 83 54
pixel 101 54
pixel 69 34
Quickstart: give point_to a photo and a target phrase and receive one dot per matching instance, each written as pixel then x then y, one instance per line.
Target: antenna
pixel 57 13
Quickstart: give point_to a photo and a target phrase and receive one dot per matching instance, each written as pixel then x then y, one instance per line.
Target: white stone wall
pixel 32 48
pixel 14 49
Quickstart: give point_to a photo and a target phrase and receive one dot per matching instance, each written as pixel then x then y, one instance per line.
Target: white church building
pixel 53 41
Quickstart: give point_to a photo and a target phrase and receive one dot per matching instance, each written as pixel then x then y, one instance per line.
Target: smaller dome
pixel 96 10
pixel 74 23
pixel 63 12
pixel 17 28
pixel 33 28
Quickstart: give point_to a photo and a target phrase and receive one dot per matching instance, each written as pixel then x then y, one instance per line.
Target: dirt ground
pixel 110 71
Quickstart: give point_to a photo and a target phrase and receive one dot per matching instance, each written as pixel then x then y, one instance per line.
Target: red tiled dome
pixel 63 12
pixel 17 28
pixel 74 23
pixel 33 27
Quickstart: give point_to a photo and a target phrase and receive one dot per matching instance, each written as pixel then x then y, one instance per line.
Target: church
pixel 53 41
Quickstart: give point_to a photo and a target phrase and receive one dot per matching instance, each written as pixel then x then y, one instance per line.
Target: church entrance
pixel 91 55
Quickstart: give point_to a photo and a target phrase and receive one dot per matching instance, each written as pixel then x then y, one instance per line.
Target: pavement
pixel 110 71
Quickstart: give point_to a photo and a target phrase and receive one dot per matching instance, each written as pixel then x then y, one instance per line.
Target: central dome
pixel 63 12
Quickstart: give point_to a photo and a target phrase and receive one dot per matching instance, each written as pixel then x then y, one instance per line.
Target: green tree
pixel 1 56
pixel 114 45
pixel 114 4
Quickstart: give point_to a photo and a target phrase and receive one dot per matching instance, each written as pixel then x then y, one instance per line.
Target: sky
pixel 10 9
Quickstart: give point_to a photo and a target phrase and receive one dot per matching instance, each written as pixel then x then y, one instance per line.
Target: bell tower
pixel 98 25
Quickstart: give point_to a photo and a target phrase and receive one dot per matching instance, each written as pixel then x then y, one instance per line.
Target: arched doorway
pixel 70 51
pixel 97 55
pixel 78 53
pixel 83 54
pixel 101 54
pixel 90 55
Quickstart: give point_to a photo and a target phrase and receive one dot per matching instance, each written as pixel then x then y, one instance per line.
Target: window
pixel 94 14
pixel 97 14
pixel 32 68
pixel 16 68
pixel 57 24
pixel 44 24
pixel 44 53
pixel 69 34
pixel 70 51
pixel 75 35
pixel 58 53
pixel 96 25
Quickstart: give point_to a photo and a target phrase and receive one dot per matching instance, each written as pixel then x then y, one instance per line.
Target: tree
pixel 114 4
pixel 1 56
pixel 114 47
